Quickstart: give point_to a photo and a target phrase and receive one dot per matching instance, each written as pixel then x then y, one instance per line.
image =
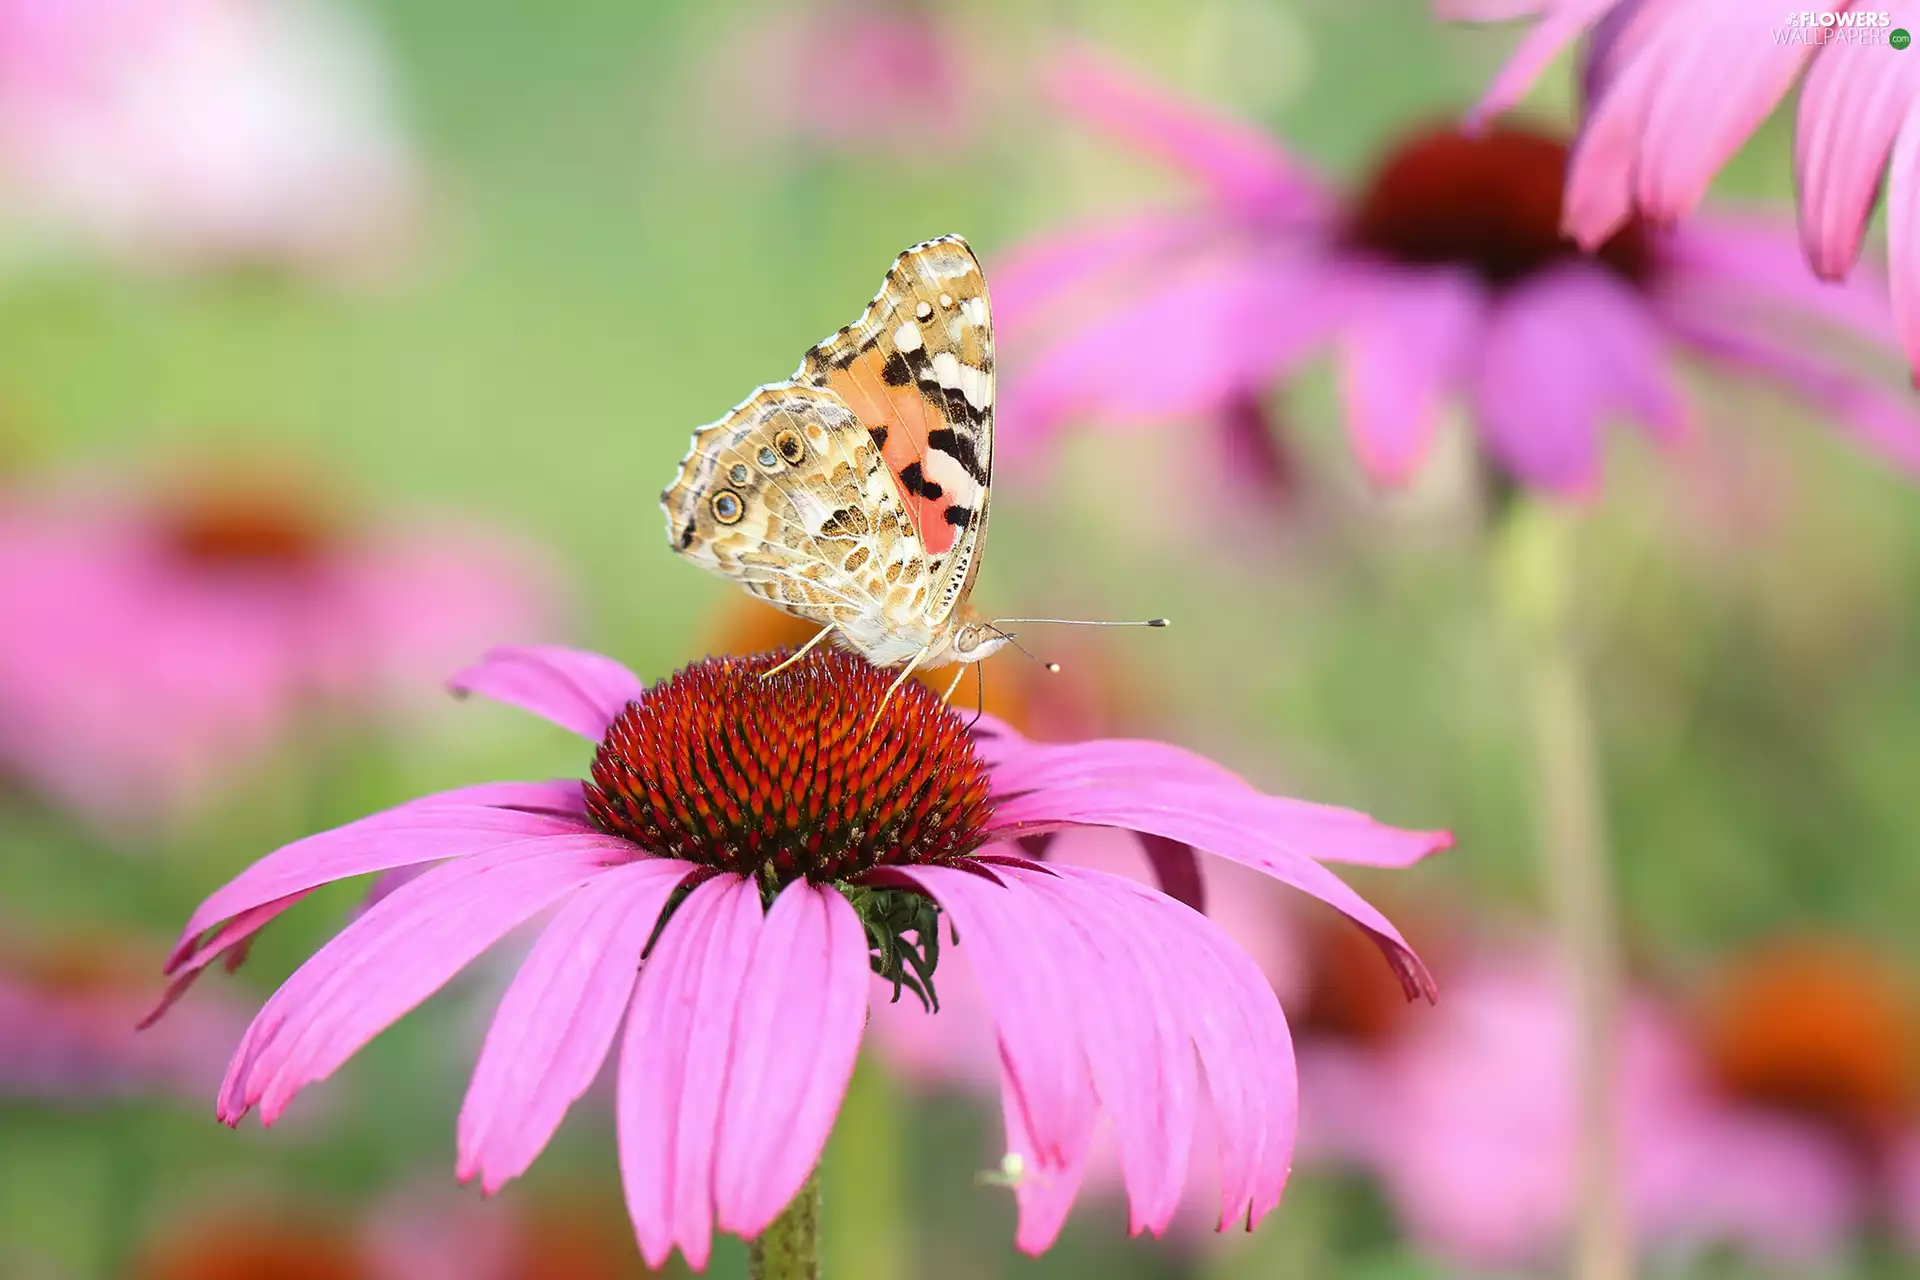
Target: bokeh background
pixel 437 290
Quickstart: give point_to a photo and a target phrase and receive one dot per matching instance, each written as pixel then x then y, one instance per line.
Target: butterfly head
pixel 975 639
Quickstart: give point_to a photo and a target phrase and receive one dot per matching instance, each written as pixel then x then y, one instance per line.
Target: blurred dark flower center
pixel 240 1250
pixel 1489 203
pixel 781 778
pixel 247 527
pixel 1818 1031
pixel 1349 994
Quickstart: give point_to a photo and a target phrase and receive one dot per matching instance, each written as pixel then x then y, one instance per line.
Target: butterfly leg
pixel 958 676
pixel 805 649
pixel 895 687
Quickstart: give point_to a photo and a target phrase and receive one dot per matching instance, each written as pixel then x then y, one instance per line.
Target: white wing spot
pixel 975 311
pixel 924 311
pixel 966 379
pixel 907 336
pixel 946 299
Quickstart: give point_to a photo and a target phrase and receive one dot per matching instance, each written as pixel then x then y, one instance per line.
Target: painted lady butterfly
pixel 855 493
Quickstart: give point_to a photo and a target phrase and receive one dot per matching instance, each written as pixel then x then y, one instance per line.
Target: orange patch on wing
pixel 905 415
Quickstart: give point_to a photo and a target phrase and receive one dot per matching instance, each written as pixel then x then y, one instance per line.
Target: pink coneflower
pixel 1766 1123
pixel 779 849
pixel 157 639
pixel 1442 277
pixel 203 132
pixel 68 1006
pixel 1674 89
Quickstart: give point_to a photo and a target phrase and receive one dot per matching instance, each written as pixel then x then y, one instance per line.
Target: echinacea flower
pixel 68 1007
pixel 1442 278
pixel 220 612
pixel 204 132
pixel 1674 89
pixel 1749 1127
pixel 744 851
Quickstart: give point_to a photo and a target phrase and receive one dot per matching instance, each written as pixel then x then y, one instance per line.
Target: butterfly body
pixel 855 494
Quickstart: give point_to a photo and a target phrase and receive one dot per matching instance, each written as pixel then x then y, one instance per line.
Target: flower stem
pixel 789 1249
pixel 1536 573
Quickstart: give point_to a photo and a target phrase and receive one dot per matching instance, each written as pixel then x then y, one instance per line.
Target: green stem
pixel 1537 580
pixel 789 1249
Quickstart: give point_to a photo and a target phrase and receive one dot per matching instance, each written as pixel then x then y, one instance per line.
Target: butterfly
pixel 855 494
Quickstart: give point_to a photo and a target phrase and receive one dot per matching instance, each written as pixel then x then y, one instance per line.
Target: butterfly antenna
pixel 1052 667
pixel 1086 622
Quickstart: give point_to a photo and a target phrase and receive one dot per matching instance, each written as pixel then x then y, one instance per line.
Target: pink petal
pixel 1399 357
pixel 557 1019
pixel 1903 234
pixel 1046 1189
pixel 1176 868
pixel 1883 421
pixel 1237 163
pixel 574 688
pixel 1139 1050
pixel 1851 107
pixel 1031 281
pixel 1559 354
pixel 673 1066
pixel 396 955
pixel 1337 834
pixel 1744 264
pixel 795 1039
pixel 1244 827
pixel 448 825
pixel 1600 191
pixel 1559 26
pixel 1183 349
pixel 1034 993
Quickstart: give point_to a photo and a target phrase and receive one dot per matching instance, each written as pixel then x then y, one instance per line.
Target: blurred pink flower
pixel 1466 1118
pixel 68 1009
pixel 1675 88
pixel 156 642
pixel 743 1024
pixel 854 76
pixel 1443 277
pixel 204 132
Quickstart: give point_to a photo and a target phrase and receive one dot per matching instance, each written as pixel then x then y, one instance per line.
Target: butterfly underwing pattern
pixel 855 494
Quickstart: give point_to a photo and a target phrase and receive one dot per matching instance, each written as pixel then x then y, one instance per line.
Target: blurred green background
pixel 604 268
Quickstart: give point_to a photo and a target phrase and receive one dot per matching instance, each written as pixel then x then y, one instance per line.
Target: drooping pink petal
pixel 557 1020
pixel 1335 834
pixel 1743 264
pixel 794 1042
pixel 1398 358
pixel 1045 1189
pixel 1903 234
pixel 1851 107
pixel 395 956
pixel 447 825
pixel 576 689
pixel 1559 26
pixel 1036 280
pixel 1238 164
pixel 1033 994
pixel 1881 420
pixel 1708 103
pixel 1560 353
pixel 1242 826
pixel 674 1060
pixel 1601 169
pixel 1139 1049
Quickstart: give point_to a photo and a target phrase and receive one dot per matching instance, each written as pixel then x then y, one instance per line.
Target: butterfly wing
pixel 917 368
pixel 789 496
